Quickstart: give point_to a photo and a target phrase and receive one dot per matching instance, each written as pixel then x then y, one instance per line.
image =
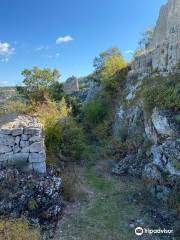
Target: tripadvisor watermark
pixel 140 231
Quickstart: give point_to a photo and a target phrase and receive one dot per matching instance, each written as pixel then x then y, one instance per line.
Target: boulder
pixel 35 139
pixel 37 157
pixel 5 149
pixel 150 131
pixel 5 131
pixel 16 149
pixel 32 131
pixel 164 155
pixel 162 124
pixel 7 140
pixel 36 147
pixel 152 173
pixel 24 137
pixel 131 164
pixel 17 140
pixel 25 150
pixel 17 132
pixel 24 143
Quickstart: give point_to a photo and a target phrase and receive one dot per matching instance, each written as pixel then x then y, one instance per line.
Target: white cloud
pixel 6 50
pixel 129 51
pixel 64 39
pixel 5 60
pixel 40 48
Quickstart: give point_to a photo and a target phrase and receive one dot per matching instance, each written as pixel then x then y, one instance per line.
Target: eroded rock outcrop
pixel 71 86
pixel 156 130
pixel 22 144
pixel 162 55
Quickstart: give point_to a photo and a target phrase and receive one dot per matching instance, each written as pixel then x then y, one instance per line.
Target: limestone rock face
pixel 93 90
pixel 151 138
pixel 161 124
pixel 164 155
pixel 22 143
pixel 71 85
pixel 163 53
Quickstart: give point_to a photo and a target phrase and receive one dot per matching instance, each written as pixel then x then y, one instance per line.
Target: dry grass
pixel 18 230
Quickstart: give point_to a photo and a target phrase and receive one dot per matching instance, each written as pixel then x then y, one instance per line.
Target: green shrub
pixel 161 92
pixel 64 138
pixel 50 114
pixel 73 142
pixel 40 83
pixel 72 187
pixel 93 113
pixel 113 78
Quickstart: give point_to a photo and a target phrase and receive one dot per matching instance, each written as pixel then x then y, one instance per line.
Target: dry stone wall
pixel 22 144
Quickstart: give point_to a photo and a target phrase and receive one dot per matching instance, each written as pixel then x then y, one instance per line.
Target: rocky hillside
pixel 147 115
pixel 149 110
pixel 6 94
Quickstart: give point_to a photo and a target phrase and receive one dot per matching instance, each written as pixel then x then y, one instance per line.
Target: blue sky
pixel 68 34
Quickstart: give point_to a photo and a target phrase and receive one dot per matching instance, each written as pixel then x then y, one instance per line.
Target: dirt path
pixel 108 212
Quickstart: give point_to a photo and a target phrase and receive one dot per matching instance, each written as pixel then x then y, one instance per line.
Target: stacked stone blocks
pixel 22 143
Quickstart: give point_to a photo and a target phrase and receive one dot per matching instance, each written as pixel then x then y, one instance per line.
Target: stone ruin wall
pixel 163 54
pixel 71 86
pixel 22 144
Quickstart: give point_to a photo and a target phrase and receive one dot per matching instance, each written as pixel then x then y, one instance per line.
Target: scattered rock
pixel 152 173
pixel 38 197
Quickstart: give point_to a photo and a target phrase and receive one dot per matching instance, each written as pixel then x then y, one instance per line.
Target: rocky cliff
pixel 71 86
pixel 156 132
pixel 162 55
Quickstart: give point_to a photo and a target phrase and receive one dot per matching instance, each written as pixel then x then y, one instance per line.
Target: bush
pixel 161 92
pixel 72 188
pixel 18 107
pixel 64 138
pixel 18 230
pixel 93 113
pixel 73 142
pixel 101 131
pixel 49 114
pixel 113 74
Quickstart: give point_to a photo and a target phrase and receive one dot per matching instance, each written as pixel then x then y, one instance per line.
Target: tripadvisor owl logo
pixel 139 231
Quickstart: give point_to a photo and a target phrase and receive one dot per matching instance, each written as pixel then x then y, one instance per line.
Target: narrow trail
pixel 107 211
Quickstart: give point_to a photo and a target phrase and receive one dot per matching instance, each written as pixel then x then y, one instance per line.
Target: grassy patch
pixel 161 92
pixel 107 214
pixel 97 181
pixel 176 164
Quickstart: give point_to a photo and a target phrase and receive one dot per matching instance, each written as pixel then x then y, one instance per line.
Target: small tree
pixel 110 77
pixel 146 38
pixel 103 57
pixel 99 62
pixel 37 82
